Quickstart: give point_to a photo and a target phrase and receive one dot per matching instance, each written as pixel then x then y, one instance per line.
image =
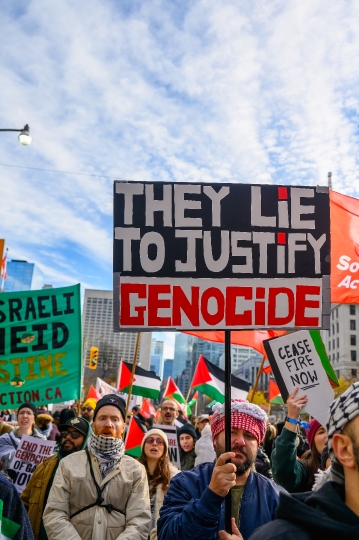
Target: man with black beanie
pixel 100 489
pixel 74 436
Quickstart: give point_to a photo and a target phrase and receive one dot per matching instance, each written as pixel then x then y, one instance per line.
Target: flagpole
pixel 227 419
pixel 260 370
pixel 133 373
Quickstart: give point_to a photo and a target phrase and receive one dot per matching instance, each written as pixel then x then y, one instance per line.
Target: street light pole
pixel 24 136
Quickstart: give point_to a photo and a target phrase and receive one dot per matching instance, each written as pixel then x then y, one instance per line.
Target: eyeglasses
pixel 73 434
pixel 172 409
pixel 88 409
pixel 158 441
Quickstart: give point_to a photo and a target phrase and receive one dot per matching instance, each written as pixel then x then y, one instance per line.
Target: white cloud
pixel 199 91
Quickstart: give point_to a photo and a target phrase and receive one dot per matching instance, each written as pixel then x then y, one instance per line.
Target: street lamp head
pixel 24 136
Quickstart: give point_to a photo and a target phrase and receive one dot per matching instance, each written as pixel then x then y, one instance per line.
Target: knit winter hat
pixel 28 406
pixel 244 415
pixel 187 429
pixel 314 425
pixel 90 402
pixel 115 401
pixel 341 412
pixel 152 433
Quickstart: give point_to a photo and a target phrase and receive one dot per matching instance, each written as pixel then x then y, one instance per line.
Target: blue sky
pixel 235 91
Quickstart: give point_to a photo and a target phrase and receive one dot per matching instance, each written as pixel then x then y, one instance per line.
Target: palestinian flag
pixel 319 345
pixel 134 438
pixel 274 395
pixel 8 528
pixel 172 391
pixel 209 379
pixel 194 399
pixel 145 383
pixel 147 408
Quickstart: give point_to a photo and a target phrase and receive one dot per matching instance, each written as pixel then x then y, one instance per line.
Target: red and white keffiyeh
pixel 244 415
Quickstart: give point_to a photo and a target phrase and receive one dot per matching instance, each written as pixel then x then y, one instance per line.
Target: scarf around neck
pixel 108 451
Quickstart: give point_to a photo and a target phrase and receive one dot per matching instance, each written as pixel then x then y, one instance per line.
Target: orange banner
pixel 344 226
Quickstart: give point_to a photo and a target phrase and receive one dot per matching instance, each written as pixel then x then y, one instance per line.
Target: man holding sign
pixel 195 499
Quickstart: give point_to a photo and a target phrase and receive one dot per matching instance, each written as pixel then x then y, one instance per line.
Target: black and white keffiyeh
pixel 108 451
pixel 341 412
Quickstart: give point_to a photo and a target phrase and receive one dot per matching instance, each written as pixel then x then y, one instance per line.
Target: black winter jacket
pixel 312 516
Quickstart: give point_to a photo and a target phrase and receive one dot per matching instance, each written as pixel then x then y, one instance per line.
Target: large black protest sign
pixel 220 256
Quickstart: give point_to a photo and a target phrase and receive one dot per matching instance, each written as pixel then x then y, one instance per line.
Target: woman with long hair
pixel 159 470
pixel 297 475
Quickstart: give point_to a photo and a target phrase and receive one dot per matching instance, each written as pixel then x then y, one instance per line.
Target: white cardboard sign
pixel 30 452
pixel 173 448
pixel 296 363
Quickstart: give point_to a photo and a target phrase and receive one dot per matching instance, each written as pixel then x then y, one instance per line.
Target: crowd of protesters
pixel 286 482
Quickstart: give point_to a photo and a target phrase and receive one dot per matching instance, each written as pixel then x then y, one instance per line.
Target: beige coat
pixel 73 489
pixel 159 501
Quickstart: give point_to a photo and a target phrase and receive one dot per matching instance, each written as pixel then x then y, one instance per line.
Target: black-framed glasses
pixel 158 441
pixel 73 434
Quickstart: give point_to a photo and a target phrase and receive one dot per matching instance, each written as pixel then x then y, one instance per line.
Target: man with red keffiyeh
pixel 194 504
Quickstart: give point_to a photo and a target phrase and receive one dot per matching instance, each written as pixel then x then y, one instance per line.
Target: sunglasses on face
pixel 151 440
pixel 73 434
pixel 88 409
pixel 172 409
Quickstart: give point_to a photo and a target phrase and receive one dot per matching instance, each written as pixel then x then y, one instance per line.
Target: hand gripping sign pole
pixel 227 418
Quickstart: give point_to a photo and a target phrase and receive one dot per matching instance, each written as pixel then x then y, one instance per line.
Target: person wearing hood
pixel 332 512
pixel 46 427
pixel 297 475
pixel 204 447
pixel 9 442
pixel 74 436
pixel 187 437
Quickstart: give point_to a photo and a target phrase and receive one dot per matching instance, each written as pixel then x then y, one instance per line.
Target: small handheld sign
pixel 298 360
pixel 173 449
pixel 30 452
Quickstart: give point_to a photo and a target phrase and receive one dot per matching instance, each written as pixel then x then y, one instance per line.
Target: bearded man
pixel 99 493
pixel 74 435
pixel 194 504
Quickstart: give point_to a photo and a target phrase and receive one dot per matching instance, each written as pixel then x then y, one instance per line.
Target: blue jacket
pixel 193 511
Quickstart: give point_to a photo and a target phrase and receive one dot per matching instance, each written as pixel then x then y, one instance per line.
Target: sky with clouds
pixel 180 90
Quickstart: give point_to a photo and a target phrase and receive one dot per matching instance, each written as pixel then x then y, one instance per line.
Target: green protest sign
pixel 40 346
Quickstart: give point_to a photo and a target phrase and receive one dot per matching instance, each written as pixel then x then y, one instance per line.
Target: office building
pixel 157 357
pixel 182 353
pixel 341 341
pixel 239 356
pixel 113 346
pixel 23 276
pixel 168 368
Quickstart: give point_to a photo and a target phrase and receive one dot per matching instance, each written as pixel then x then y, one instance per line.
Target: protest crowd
pixel 89 488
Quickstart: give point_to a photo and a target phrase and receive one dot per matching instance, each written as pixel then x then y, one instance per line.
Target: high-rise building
pixel 341 340
pixel 239 356
pixel 168 368
pixel 98 332
pixel 157 357
pixel 23 276
pixel 182 353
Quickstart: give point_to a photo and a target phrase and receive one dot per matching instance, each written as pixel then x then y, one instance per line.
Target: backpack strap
pixel 109 507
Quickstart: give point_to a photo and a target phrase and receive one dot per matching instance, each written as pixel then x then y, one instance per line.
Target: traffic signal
pixel 93 357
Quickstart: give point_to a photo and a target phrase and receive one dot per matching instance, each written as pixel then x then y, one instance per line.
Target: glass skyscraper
pixel 23 276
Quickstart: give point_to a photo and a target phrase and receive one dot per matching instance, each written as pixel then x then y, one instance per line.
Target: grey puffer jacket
pixel 9 443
